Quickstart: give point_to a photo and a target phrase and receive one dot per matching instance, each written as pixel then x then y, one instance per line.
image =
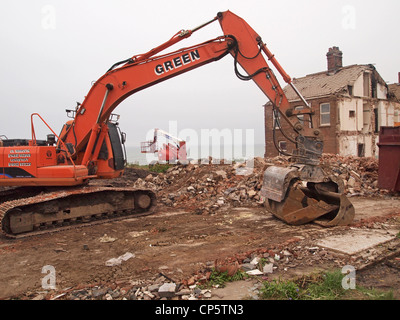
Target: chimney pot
pixel 335 59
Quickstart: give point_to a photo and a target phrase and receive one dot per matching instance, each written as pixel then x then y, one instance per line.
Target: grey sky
pixel 51 52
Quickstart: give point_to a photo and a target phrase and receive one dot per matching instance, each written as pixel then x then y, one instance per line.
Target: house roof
pixel 326 84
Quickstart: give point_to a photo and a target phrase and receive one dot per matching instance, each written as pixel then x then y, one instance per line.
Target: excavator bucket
pixel 302 194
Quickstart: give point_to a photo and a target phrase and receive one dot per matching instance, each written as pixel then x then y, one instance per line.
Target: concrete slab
pixel 237 290
pixel 357 240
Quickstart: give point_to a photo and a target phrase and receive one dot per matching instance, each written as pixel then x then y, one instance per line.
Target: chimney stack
pixel 335 59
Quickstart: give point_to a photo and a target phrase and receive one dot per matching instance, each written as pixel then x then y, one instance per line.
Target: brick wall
pixel 329 132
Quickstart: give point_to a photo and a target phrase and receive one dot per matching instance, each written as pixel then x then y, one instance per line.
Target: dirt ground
pixel 183 246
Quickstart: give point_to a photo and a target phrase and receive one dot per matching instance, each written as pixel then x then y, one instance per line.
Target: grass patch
pixel 221 278
pixel 280 290
pixel 327 286
pixel 321 286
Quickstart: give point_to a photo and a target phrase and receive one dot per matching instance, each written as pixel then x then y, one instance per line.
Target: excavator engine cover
pixel 302 194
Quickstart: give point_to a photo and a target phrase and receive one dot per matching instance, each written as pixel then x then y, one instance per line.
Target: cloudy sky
pixel 51 52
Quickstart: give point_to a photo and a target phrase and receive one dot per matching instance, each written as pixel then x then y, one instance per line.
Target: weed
pixel 329 287
pixel 280 290
pixel 320 286
pixel 221 278
pixel 374 294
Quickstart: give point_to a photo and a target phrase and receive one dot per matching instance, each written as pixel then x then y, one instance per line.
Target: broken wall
pixel 386 112
pixel 355 128
pixel 358 87
pixel 327 131
pixel 357 145
pixel 382 91
pixel 351 114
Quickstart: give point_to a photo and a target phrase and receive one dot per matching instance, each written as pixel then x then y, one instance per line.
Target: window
pixel 300 117
pixel 276 122
pixel 325 114
pixel 352 114
pixel 282 146
pixel 367 85
pixel 376 113
pixel 305 121
pixel 350 89
pixel 361 150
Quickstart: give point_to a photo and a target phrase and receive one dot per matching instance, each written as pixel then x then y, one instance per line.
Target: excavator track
pixel 62 209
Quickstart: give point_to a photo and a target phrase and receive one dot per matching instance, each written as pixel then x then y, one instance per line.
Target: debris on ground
pixel 206 188
pixel 259 265
pixel 220 204
pixel 117 261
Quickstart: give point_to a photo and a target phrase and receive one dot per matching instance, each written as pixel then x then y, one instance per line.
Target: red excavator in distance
pixel 53 175
pixel 169 152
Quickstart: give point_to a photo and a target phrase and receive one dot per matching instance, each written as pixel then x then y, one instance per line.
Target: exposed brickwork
pixel 335 59
pixel 328 132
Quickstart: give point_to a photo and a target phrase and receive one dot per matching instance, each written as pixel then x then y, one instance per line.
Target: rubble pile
pixel 206 188
pixel 158 288
pixel 360 175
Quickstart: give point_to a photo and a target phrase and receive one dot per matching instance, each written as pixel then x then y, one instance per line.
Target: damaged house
pixel 394 91
pixel 350 103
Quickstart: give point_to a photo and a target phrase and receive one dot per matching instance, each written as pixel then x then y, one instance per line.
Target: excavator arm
pixel 145 70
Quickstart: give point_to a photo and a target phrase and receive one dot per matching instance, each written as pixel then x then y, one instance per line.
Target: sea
pixel 230 153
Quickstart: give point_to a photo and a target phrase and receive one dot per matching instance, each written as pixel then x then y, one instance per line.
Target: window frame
pixel 300 117
pixel 321 124
pixel 278 120
pixel 280 145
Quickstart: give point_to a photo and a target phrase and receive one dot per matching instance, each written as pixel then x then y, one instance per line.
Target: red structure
pixel 169 152
pixel 389 158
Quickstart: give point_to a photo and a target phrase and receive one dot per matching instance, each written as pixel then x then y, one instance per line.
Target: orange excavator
pixel 50 177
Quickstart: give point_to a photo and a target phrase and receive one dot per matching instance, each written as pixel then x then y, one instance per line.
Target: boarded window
pixel 361 150
pixel 350 89
pixel 376 112
pixel 325 114
pixel 367 85
pixel 367 118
